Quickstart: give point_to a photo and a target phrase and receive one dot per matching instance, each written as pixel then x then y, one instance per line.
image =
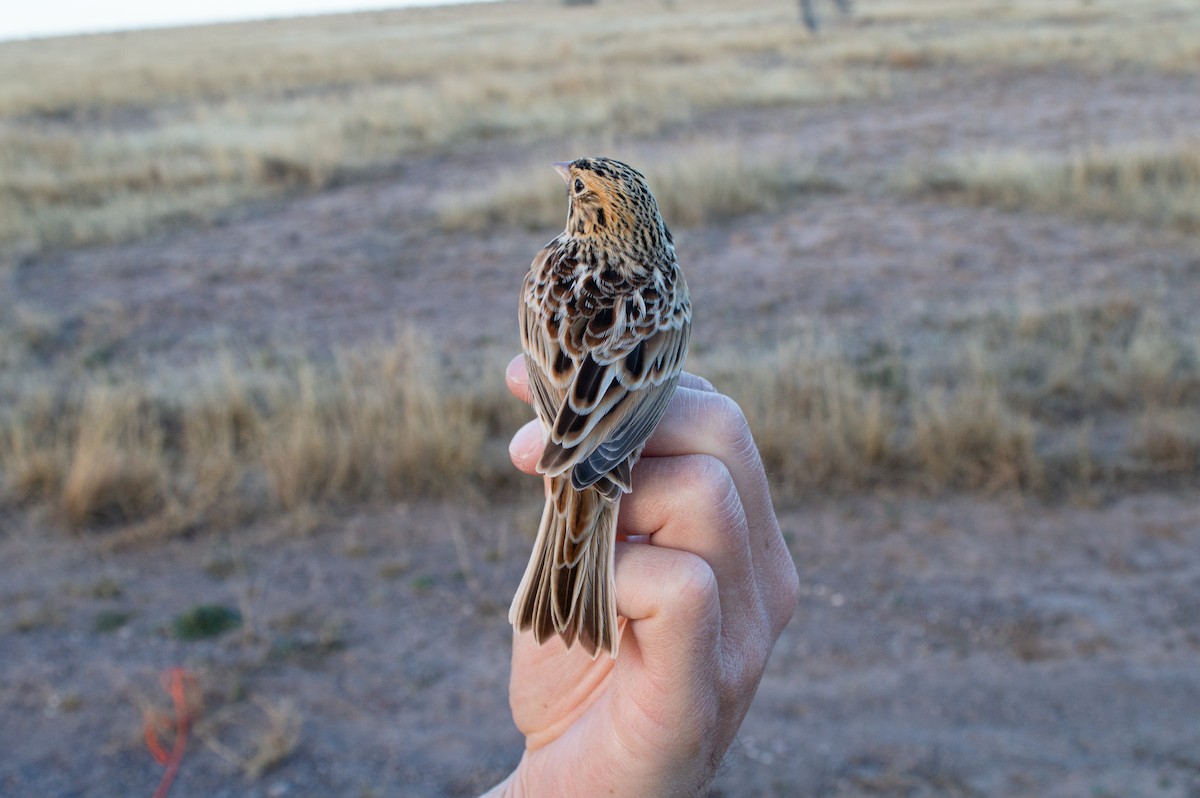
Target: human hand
pixel 705 586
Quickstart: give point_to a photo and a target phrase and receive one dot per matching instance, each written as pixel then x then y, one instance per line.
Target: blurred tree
pixel 809 14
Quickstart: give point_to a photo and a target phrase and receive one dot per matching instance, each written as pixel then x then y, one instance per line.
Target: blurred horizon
pixel 81 17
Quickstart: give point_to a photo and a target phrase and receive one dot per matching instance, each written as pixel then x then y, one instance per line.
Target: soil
pixel 942 646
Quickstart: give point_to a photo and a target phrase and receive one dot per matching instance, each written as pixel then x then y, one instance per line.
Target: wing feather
pixel 598 403
pixel 595 443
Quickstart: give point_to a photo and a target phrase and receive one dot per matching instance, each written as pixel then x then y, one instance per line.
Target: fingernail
pixel 515 372
pixel 528 442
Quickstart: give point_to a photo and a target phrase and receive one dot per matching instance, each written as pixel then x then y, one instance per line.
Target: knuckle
pixel 729 418
pixel 714 495
pixel 694 582
pixel 732 430
pixel 743 667
pixel 709 493
pixel 706 478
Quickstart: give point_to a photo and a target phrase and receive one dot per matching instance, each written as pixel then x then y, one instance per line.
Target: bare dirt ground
pixel 943 646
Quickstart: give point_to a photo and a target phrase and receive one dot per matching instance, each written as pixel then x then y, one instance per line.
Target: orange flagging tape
pixel 177 682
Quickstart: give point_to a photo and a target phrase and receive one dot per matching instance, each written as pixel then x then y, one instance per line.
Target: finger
pixel 698 420
pixel 671 602
pixel 694 382
pixel 703 422
pixel 673 618
pixel 517 379
pixel 670 598
pixel 526 446
pixel 690 503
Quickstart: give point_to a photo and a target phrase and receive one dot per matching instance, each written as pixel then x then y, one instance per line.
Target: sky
pixel 34 18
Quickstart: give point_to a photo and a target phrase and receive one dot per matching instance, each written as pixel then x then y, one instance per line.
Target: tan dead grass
pixel 1065 360
pixel 156 131
pixel 215 447
pixel 1168 439
pixel 1012 402
pixel 817 424
pixel 826 421
pixel 1152 182
pixel 253 736
pixel 1097 35
pixel 116 471
pixel 1017 400
pixel 279 738
pixel 1044 398
pixel 381 426
pixel 972 439
pixel 110 136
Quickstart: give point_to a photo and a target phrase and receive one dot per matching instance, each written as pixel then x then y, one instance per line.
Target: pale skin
pixel 705 585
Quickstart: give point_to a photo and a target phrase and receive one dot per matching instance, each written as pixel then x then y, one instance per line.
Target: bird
pixel 605 319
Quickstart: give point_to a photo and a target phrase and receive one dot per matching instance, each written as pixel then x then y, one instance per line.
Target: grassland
pixel 1156 183
pixel 119 135
pixel 108 137
pixel 1030 400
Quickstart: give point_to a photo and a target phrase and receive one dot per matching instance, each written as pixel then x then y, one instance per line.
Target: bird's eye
pixel 578 185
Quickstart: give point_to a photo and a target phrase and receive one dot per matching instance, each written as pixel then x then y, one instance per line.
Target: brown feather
pixel 605 320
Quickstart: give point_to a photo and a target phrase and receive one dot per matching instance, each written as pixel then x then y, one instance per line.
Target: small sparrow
pixel 605 319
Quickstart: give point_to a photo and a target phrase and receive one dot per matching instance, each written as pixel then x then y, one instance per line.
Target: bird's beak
pixel 564 169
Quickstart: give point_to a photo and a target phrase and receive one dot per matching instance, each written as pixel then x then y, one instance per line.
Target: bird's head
pixel 610 201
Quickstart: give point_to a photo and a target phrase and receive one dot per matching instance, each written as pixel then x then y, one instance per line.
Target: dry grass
pixel 156 131
pixel 278 740
pixel 1042 397
pixel 234 440
pixel 1096 35
pixel 973 440
pixel 1063 361
pixel 107 137
pixel 818 424
pixel 826 422
pixel 253 736
pixel 1150 182
pixel 381 426
pixel 1031 399
pixel 115 470
pixel 729 184
pixel 1168 439
pixel 295 56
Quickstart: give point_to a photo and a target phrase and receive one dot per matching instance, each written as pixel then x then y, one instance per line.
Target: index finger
pixel 703 422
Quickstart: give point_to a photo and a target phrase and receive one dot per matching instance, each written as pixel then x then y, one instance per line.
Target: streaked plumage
pixel 605 319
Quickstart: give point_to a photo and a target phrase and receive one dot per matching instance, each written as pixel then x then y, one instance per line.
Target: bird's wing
pixel 613 404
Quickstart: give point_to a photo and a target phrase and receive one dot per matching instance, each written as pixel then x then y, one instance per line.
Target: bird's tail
pixel 568 587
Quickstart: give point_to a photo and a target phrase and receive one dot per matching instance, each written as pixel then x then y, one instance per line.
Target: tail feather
pixel 568 586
